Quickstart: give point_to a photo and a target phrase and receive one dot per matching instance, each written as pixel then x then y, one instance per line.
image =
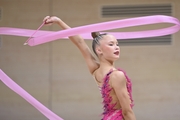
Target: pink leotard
pixel 110 113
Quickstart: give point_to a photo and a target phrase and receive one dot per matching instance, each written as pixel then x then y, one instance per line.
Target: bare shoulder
pixel 117 77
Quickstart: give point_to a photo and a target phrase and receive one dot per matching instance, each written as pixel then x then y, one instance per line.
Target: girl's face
pixel 109 48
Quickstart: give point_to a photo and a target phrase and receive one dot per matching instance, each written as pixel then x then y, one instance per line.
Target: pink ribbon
pixel 16 88
pixel 40 37
pixel 46 36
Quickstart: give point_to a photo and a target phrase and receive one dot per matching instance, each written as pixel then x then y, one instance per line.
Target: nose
pixel 117 47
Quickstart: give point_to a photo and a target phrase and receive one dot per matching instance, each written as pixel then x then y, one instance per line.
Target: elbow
pixel 128 114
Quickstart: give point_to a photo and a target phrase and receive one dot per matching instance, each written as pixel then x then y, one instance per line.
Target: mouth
pixel 116 53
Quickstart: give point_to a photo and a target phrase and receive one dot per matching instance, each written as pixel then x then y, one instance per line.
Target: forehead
pixel 109 38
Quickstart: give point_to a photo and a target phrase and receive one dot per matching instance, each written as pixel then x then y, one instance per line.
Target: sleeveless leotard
pixel 110 113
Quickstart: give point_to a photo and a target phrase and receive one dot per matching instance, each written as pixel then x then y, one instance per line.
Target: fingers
pixel 47 20
pixel 47 17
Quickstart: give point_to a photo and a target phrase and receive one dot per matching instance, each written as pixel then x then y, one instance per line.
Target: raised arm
pixel 78 41
pixel 118 82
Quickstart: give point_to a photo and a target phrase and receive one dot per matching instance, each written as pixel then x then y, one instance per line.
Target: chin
pixel 115 58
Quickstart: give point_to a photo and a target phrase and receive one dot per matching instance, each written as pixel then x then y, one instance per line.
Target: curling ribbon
pixel 16 88
pixel 46 36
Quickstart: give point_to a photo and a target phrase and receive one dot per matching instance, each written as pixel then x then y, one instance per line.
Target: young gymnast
pixel 114 84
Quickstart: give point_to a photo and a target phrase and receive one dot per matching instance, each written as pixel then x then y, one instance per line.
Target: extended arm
pixel 118 82
pixel 78 41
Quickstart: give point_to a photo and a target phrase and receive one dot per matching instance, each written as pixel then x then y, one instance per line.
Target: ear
pixel 98 50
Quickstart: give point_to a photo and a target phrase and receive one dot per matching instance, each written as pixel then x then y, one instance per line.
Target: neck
pixel 106 64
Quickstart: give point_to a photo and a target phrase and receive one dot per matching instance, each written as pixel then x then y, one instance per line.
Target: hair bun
pixel 95 34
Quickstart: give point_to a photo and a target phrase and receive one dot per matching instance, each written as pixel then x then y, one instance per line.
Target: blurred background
pixel 56 74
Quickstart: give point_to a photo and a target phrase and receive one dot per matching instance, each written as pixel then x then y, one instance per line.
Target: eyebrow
pixel 113 41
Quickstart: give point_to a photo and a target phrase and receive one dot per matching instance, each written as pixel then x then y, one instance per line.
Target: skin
pixel 108 52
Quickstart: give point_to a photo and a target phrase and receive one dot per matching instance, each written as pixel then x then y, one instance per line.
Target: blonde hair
pixel 96 37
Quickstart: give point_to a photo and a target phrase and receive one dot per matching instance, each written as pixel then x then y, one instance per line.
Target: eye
pixel 117 44
pixel 110 44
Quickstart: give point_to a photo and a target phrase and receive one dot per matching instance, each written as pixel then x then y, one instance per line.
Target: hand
pixel 50 20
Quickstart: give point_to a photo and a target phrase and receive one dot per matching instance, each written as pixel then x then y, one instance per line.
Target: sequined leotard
pixel 110 113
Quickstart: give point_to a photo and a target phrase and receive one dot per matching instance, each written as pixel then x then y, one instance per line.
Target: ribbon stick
pixel 20 91
pixel 46 36
pixel 34 33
